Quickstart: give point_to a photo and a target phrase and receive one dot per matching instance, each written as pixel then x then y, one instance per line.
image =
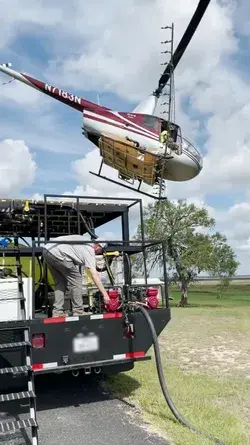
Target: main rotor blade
pixel 187 36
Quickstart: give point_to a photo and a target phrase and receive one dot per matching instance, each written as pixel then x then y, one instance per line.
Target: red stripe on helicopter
pixel 81 104
pixel 63 96
pixel 114 118
pixel 124 120
pixel 132 130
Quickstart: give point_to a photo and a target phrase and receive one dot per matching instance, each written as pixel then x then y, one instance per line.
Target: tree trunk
pixel 184 294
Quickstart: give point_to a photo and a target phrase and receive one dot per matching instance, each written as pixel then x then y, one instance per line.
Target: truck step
pixel 14 345
pixel 10 427
pixel 16 396
pixel 13 329
pixel 15 370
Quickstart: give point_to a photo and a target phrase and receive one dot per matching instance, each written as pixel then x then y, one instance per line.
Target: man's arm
pixel 97 281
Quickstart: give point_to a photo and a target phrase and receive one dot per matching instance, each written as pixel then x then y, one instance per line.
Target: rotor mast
pixel 169 104
pixel 170 84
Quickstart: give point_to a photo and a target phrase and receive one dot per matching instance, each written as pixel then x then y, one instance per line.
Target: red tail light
pixel 152 298
pixel 114 300
pixel 38 341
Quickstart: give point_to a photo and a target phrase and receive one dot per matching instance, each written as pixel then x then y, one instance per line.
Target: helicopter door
pixel 171 135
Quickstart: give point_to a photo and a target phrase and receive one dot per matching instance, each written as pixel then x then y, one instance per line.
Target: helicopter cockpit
pixel 160 127
pixel 172 134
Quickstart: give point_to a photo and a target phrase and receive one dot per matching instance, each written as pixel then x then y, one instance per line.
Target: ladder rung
pixel 13 326
pixel 14 345
pixel 9 427
pixel 15 370
pixel 16 396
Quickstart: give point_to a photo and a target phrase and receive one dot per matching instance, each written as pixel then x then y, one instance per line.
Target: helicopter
pixel 141 146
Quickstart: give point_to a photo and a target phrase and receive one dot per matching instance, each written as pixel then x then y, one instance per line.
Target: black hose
pixel 162 380
pixel 38 260
pixel 128 261
pixel 88 223
pixel 24 240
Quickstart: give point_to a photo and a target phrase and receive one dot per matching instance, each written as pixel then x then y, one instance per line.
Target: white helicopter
pixel 139 145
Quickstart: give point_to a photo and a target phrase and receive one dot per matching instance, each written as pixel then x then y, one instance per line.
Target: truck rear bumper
pixel 47 368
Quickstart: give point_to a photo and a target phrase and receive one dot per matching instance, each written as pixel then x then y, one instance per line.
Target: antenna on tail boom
pixel 161 186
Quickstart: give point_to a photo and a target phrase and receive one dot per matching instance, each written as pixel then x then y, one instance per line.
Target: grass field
pixel 206 356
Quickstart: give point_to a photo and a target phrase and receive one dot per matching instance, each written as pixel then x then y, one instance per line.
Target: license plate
pixel 85 343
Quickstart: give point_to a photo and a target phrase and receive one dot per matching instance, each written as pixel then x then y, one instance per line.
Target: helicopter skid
pixel 134 189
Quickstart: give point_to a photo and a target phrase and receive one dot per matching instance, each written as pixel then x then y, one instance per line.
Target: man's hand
pixel 99 284
pixel 106 298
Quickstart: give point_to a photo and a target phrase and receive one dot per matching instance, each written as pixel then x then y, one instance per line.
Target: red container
pixel 152 299
pixel 114 300
pixel 113 293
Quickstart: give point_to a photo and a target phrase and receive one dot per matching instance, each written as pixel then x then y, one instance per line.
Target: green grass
pixel 202 296
pixel 205 352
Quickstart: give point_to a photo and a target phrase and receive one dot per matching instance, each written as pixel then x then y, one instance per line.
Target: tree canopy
pixel 191 244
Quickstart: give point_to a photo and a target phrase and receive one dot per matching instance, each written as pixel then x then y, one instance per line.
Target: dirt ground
pixel 215 344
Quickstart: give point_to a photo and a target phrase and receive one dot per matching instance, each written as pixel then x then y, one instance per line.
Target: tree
pixel 222 286
pixel 222 263
pixel 190 248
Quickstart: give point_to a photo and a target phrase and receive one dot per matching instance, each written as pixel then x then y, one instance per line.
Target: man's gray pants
pixel 65 275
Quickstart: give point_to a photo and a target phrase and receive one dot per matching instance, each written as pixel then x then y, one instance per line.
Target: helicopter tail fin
pixel 147 106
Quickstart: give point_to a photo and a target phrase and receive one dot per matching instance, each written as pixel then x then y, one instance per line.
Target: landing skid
pixel 137 189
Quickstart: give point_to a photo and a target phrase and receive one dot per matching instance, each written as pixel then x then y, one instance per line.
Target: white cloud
pixel 242 17
pixel 240 212
pixel 236 223
pixel 19 18
pixel 17 168
pixel 128 63
pixel 18 94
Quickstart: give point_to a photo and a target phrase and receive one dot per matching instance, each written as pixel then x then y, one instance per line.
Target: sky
pixel 110 51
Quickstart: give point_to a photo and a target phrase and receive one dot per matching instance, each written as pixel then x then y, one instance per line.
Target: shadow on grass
pixel 123 387
pixel 194 305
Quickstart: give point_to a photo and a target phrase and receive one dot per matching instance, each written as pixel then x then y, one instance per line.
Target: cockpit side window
pixel 171 128
pixel 151 122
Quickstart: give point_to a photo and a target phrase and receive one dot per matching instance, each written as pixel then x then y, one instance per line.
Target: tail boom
pixel 63 96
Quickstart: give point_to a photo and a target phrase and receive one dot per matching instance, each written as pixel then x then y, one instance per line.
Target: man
pixel 64 261
pixel 163 137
